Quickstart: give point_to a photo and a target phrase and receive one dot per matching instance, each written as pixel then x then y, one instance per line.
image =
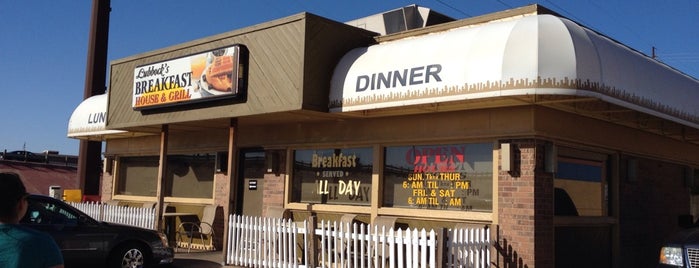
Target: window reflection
pixel 580 188
pixel 137 176
pixel 188 176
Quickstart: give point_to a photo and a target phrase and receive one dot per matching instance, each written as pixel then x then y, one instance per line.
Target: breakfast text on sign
pixel 155 85
pixel 334 183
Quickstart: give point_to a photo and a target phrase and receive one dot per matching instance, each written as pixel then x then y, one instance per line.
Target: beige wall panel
pixel 585 130
pixel 147 145
pixel 178 143
pixel 198 142
pixel 446 126
pixel 322 57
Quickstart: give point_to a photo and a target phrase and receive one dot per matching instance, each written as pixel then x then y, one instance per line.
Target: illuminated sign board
pixel 216 74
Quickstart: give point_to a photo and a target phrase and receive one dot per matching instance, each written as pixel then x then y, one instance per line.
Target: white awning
pixel 89 120
pixel 520 56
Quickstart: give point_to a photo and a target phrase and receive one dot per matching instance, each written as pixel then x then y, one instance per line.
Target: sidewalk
pixel 198 259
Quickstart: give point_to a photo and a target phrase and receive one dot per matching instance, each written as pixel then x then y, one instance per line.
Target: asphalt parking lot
pixel 208 259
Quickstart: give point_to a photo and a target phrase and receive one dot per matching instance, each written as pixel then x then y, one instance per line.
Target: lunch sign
pixel 215 74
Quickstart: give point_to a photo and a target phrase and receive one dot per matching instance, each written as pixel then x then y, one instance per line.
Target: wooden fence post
pixel 441 244
pixel 311 246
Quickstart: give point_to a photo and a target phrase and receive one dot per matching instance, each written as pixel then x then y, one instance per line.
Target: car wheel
pixel 129 256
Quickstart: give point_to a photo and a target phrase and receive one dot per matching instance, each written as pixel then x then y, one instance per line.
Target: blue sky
pixel 43 43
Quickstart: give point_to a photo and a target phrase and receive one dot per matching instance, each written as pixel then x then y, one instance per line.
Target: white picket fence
pixel 264 242
pixel 360 245
pixel 468 247
pixel 271 242
pixel 134 216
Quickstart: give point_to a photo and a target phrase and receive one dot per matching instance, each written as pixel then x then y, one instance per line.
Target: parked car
pixel 86 242
pixel 681 250
pixel 23 156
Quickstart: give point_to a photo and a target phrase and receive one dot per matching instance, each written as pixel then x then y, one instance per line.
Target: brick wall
pixel 273 192
pixel 649 209
pixel 107 187
pixel 222 188
pixel 525 215
pixel 650 205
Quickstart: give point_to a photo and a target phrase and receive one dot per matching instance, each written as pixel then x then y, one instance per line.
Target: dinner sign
pixel 213 74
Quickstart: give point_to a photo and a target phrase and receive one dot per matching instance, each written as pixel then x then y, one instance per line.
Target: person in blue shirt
pixel 22 247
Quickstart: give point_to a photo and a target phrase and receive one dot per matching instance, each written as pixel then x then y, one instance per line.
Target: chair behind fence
pixel 272 242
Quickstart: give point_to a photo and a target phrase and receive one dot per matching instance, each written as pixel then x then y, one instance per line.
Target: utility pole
pixel 90 152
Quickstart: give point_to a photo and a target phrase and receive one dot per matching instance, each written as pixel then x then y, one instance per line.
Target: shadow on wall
pixel 563 206
pixel 509 256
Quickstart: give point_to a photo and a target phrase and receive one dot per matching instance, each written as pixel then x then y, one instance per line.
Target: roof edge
pixel 534 9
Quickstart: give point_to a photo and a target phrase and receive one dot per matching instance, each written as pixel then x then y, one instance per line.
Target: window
pixel 188 176
pixel 580 188
pixel 446 177
pixel 191 176
pixel 581 209
pixel 137 176
pixel 332 176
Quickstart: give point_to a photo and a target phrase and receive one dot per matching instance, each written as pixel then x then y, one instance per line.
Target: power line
pixel 689 57
pixel 505 4
pixel 454 8
pixel 615 17
pixel 618 22
pixel 565 11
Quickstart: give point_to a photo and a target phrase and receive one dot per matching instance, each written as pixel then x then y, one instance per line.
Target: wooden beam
pixel 162 172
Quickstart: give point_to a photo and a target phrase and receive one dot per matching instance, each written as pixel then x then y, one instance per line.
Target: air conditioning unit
pixel 401 19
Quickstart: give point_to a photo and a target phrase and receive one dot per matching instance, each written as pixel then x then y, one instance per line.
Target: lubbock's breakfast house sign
pixel 199 77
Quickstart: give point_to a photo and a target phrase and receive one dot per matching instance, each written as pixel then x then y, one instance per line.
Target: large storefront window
pixel 333 176
pixel 446 177
pixel 137 176
pixel 188 176
pixel 191 176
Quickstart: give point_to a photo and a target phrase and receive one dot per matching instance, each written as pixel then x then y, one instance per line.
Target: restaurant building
pixel 576 150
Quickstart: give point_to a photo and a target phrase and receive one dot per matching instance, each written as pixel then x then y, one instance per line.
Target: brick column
pixel 525 209
pixel 273 190
pixel 107 187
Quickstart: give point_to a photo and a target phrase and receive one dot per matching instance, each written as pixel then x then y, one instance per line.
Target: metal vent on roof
pixel 401 19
